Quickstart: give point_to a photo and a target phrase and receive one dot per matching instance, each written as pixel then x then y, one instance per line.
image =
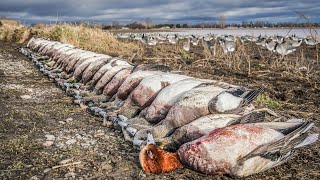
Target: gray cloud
pixel 158 10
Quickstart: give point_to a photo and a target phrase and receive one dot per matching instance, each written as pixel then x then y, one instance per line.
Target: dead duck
pixel 239 150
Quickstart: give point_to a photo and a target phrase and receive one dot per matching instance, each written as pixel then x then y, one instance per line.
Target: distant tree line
pixel 220 24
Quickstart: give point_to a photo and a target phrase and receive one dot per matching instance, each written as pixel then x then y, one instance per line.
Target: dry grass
pixel 13 31
pixel 10 22
pixel 248 59
pixel 82 36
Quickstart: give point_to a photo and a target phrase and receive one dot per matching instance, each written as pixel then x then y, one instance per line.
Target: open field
pixel 291 89
pixel 301 32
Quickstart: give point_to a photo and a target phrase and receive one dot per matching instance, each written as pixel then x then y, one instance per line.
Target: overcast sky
pixel 180 11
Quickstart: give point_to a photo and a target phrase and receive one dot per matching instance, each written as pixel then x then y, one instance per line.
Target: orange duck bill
pixel 155 160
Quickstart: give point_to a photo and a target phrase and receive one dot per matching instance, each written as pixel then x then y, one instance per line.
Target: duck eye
pixel 149 153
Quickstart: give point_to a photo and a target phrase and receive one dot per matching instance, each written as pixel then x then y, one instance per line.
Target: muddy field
pixel 43 135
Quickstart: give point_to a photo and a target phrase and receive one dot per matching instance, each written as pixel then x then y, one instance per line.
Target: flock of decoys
pixel 175 120
pixel 276 44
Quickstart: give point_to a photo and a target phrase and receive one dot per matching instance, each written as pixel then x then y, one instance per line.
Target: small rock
pixel 78 136
pixel 70 175
pixel 99 133
pixel 92 142
pixel 50 137
pixel 62 122
pixel 144 175
pixel 26 97
pixel 85 145
pixel 47 170
pixel 69 120
pixel 60 145
pixel 47 143
pixel 28 166
pixel 30 90
pixel 71 141
pixel 65 161
pixel 85 139
pixel 34 178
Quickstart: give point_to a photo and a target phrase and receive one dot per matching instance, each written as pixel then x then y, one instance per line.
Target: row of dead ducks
pixel 276 44
pixel 211 126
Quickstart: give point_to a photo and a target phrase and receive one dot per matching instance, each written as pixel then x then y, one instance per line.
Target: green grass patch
pixel 185 55
pixel 265 100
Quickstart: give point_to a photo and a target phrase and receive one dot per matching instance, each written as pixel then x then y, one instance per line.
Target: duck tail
pixel 312 138
pixel 251 95
pixel 278 152
pixel 252 117
pixel 296 136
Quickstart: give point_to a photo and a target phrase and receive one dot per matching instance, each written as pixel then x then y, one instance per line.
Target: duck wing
pixel 273 154
pixel 252 117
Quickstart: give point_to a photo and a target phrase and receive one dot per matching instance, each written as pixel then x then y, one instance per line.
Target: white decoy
pixel 284 48
pixel 173 39
pixel 261 42
pixel 229 38
pixel 186 45
pixel 208 37
pixel 296 43
pixel 244 39
pixel 228 46
pixel 270 44
pixel 151 41
pixel 160 37
pixel 194 40
pixel 310 41
pixel 137 37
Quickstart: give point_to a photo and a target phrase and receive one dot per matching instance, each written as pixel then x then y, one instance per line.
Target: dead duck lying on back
pixel 200 101
pixel 239 150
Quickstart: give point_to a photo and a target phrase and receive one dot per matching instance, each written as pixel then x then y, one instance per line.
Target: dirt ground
pixel 43 135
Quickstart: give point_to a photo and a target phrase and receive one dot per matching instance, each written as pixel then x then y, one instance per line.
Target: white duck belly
pixel 219 151
pixel 147 90
pixel 167 97
pixel 105 79
pixel 133 81
pixel 112 87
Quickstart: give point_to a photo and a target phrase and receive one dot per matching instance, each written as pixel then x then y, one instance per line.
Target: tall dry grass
pixel 82 36
pixel 13 31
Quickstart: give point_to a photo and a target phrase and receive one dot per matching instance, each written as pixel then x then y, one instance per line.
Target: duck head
pixel 155 160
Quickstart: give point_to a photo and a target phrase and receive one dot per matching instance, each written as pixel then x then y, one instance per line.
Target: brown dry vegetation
pixel 93 39
pixel 248 59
